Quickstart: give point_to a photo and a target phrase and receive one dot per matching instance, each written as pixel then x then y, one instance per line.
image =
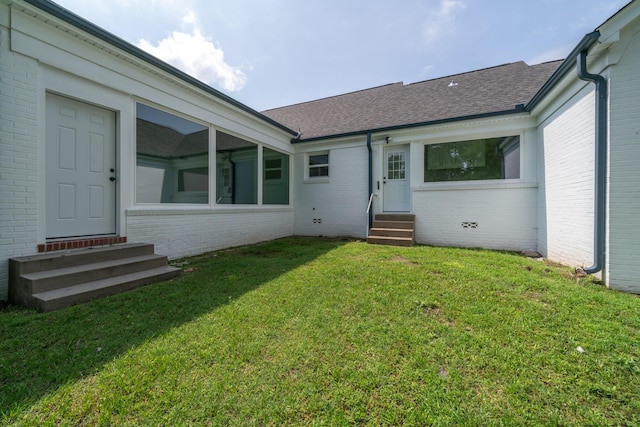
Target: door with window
pixel 396 188
pixel 80 169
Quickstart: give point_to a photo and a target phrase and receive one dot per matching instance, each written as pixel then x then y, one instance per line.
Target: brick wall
pixel 337 206
pixel 566 179
pixel 493 218
pixel 624 168
pixel 19 173
pixel 188 233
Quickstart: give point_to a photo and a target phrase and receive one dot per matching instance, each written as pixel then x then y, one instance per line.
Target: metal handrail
pixel 370 201
pixel 369 210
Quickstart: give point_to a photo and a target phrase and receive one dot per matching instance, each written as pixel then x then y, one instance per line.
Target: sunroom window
pixel 479 159
pixel 275 183
pixel 172 158
pixel 237 170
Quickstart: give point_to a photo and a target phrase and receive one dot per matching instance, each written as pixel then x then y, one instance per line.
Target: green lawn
pixel 304 331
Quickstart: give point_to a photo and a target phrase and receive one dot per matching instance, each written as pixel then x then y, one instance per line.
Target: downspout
pixel 370 175
pixel 600 161
pixel 233 179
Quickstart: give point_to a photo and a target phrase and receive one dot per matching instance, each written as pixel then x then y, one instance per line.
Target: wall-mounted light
pixel 387 139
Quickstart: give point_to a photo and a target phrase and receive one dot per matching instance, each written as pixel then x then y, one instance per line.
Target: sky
pixel 273 53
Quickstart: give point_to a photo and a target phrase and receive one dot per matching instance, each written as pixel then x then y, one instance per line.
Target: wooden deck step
pixel 390 241
pixel 392 232
pixel 393 229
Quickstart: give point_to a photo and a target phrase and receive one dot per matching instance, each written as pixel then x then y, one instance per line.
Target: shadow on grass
pixel 39 352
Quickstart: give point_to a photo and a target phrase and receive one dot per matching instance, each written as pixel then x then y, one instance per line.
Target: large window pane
pixel 480 159
pixel 172 158
pixel 275 182
pixel 237 170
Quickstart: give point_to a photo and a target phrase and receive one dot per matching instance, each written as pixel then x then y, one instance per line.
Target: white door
pixel 396 189
pixel 80 169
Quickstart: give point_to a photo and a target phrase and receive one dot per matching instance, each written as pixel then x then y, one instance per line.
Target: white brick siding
pixel 566 178
pixel 179 234
pixel 19 172
pixel 624 168
pixel 30 67
pixel 338 205
pixel 505 217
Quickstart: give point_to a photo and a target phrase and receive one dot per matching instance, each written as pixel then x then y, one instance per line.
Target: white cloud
pixel 196 55
pixel 441 22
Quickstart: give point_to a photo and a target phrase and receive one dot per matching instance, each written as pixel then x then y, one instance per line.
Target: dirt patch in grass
pixel 403 260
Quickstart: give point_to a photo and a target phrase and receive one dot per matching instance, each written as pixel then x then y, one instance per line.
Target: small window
pixel 479 159
pixel 272 169
pixel 396 166
pixel 318 165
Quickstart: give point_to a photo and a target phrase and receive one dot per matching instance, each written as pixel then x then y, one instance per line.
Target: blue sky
pixel 271 53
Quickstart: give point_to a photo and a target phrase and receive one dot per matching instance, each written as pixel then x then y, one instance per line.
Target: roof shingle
pixel 489 90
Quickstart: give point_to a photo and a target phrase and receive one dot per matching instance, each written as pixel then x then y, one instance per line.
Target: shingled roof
pixel 486 91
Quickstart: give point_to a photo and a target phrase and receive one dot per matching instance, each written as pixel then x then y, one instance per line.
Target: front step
pixel 56 280
pixel 393 229
pixel 63 297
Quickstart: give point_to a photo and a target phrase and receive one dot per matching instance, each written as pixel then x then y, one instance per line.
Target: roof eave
pixel 517 110
pixel 86 26
pixel 568 64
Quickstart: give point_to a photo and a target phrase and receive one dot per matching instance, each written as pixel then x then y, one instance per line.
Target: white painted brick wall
pixel 18 156
pixel 506 218
pixel 340 203
pixel 624 168
pixel 566 182
pixel 180 235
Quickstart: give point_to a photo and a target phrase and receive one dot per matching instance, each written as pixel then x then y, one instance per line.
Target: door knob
pixel 112 178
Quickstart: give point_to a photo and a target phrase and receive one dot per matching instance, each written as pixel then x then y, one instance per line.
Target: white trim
pixel 194 210
pixel 502 184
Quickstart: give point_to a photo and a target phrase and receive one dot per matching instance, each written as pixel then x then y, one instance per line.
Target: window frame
pixel 278 169
pixel 309 167
pixel 178 163
pixel 508 142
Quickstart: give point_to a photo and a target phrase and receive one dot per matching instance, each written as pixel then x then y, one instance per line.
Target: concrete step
pixel 392 241
pixel 395 217
pixel 43 281
pixel 55 260
pixel 391 232
pixel 55 280
pixel 393 224
pixel 70 295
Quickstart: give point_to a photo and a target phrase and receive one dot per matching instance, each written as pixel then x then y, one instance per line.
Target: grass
pixel 326 332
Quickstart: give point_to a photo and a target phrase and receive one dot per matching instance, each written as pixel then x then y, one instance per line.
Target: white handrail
pixel 369 210
pixel 370 201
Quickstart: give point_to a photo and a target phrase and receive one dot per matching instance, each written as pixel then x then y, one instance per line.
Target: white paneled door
pixel 397 192
pixel 80 169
